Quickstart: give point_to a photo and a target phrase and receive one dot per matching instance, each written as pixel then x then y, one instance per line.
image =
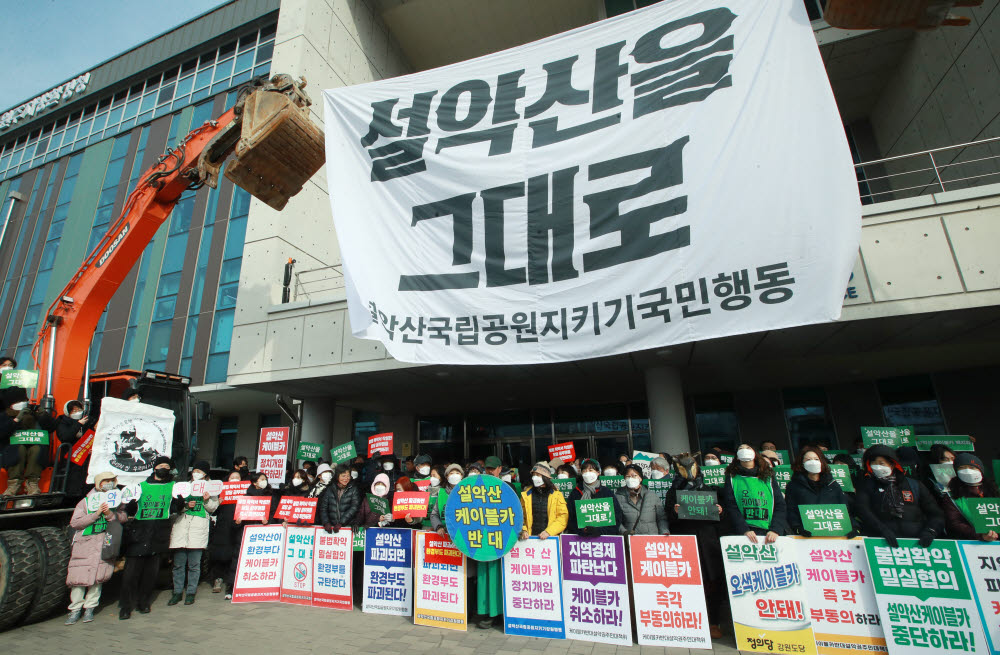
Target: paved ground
pixel 214 626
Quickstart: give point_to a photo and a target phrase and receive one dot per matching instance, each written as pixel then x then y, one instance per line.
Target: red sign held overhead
pixel 564 451
pixel 272 454
pixel 414 503
pixel 291 508
pixel 380 443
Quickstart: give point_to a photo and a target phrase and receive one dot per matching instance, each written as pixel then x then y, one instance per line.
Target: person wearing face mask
pixel 261 486
pixel 324 476
pixel 356 474
pixel 937 480
pixel 405 485
pixel 224 544
pixel 451 476
pixel 711 459
pixel 751 498
pixel 70 426
pixel 189 537
pixel 88 570
pixel 812 484
pixel 241 465
pixel 892 505
pixel 298 486
pixel 639 510
pixel 24 463
pixel 146 540
pixel 565 472
pixel 969 482
pixel 339 504
pixel 545 511
pixel 588 487
pixel 658 468
pixel 368 517
pixel 387 464
pixel 613 469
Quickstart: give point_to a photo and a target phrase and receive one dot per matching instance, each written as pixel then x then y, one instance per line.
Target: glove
pixel 328 527
pixel 336 528
pixel 804 533
pixel 851 535
pixel 891 540
pixel 926 537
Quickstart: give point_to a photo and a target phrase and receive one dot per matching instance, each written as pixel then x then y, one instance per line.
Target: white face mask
pixel 380 490
pixel 505 478
pixel 424 470
pixel 610 473
pixel 261 484
pixel 388 466
pixel 656 475
pixel 398 490
pixel 812 465
pixel 326 476
pixel 107 486
pixel 435 482
pixel 296 482
pixel 632 483
pixel 537 480
pixel 563 476
pixel 197 475
pixel 711 462
pixel 354 475
pixel 590 477
pixel 17 407
pixel 454 478
pixel 6 368
pixel 134 400
pixel 745 454
pixel 76 416
pixel 881 471
pixel 970 476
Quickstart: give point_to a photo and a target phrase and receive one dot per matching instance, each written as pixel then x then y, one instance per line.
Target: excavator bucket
pixel 887 14
pixel 279 147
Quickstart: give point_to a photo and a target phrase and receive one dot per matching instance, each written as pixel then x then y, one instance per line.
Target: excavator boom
pixel 276 148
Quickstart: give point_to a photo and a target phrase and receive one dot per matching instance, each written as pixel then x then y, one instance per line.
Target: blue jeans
pixel 188 561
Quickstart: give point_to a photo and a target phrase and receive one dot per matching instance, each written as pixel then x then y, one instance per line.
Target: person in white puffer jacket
pixel 189 537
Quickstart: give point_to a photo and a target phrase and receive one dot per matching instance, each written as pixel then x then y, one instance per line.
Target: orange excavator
pixel 888 14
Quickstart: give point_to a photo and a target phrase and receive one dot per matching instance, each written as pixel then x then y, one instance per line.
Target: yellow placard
pixel 755 640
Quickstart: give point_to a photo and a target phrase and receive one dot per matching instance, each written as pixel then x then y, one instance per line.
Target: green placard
pixel 714 476
pixel 199 506
pixel 842 474
pixel 30 437
pixel 565 486
pixel 612 481
pixel 830 454
pixel 517 487
pixel 309 451
pixel 784 475
pixel 343 452
pixel 784 457
pixel 154 503
pixel 910 562
pixel 826 520
pixel 659 487
pixel 378 505
pixel 359 538
pixel 698 505
pixel 19 378
pixel 959 443
pixel 894 437
pixel 595 513
pixel 982 513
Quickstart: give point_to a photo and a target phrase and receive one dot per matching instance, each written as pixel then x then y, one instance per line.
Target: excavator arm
pixel 277 148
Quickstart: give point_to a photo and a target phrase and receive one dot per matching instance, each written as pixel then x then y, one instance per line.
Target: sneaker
pixel 229 596
pixel 73 617
pixel 88 615
pixel 217 586
pixel 174 599
pixel 189 599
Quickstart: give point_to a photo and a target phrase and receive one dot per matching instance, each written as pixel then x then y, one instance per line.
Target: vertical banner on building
pixel 332 569
pixel 767 596
pixel 841 596
pixel 272 454
pixel 982 563
pixel 531 595
pixel 440 596
pixel 924 597
pixel 258 573
pixel 670 605
pixel 297 572
pixel 595 589
pixel 388 571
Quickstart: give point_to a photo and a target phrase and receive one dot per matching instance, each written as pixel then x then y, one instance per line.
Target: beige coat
pixel 86 567
pixel 191 532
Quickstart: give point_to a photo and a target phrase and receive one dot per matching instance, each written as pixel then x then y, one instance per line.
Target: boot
pixel 12 487
pixel 73 617
pixel 189 599
pixel 174 599
pixel 88 615
pixel 31 487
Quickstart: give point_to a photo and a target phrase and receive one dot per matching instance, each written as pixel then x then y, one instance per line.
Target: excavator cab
pixel 888 14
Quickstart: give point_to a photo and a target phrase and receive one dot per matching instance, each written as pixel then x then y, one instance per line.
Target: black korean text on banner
pixel 559 201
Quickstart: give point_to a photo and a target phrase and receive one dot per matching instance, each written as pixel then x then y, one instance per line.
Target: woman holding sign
pixel 588 487
pixel 545 513
pixel 812 483
pixel 189 535
pixel 969 482
pixel 892 505
pixel 638 509
pixel 751 497
pixel 339 504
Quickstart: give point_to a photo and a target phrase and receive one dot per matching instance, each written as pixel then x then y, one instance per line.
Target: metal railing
pixel 314 283
pixel 949 168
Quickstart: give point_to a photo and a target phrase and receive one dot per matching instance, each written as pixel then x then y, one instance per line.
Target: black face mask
pixel 162 474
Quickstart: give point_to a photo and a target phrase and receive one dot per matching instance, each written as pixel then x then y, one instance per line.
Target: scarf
pixel 587 491
pixel 892 498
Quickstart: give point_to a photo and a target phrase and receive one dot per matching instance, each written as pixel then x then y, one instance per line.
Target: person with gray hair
pixel 658 468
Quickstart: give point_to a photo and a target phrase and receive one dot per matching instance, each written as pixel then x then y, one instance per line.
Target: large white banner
pixel 672 174
pixel 128 439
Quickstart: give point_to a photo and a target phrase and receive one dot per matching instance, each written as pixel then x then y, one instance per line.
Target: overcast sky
pixel 46 42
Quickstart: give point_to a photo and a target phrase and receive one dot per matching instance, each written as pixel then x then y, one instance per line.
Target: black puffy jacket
pixel 342 509
pixel 803 491
pixel 152 536
pixel 920 512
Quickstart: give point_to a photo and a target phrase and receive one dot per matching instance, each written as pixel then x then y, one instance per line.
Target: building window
pixel 229 281
pixel 716 422
pixel 225 447
pixel 911 400
pixel 364 425
pixel 270 421
pixel 639 424
pixel 808 418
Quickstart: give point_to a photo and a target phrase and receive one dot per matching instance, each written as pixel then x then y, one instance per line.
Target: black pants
pixel 139 581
